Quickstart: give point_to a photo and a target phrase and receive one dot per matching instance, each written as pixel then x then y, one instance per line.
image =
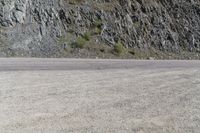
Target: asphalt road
pixel 21 64
pixel 99 96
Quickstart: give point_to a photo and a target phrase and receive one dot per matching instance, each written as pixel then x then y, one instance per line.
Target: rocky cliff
pixel 92 28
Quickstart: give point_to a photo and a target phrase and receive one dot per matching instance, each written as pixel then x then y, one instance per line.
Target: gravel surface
pixel 99 96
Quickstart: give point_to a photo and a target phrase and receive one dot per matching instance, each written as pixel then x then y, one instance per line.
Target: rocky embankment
pixel 100 28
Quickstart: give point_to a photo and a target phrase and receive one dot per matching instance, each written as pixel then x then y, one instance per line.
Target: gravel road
pixel 99 96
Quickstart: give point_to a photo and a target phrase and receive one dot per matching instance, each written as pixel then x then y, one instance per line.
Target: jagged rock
pixel 34 26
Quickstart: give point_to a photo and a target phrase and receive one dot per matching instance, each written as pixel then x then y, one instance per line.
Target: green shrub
pixel 80 43
pixel 97 31
pixel 98 23
pixel 87 36
pixel 136 24
pixel 119 48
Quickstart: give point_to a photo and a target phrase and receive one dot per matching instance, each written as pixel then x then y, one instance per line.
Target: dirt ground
pixel 106 96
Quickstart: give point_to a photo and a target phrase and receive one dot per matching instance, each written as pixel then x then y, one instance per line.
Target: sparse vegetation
pixel 87 36
pixel 136 24
pixel 97 27
pixel 64 39
pixel 97 31
pixel 106 6
pixel 75 1
pixel 119 48
pixel 98 23
pixel 79 43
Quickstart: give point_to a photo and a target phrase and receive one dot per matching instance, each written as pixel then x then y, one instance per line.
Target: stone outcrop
pixel 46 28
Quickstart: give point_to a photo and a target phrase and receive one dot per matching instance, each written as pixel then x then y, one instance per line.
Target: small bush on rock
pixel 119 48
pixel 87 36
pixel 80 43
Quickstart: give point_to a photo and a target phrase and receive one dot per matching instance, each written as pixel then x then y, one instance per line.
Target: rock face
pixel 46 28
